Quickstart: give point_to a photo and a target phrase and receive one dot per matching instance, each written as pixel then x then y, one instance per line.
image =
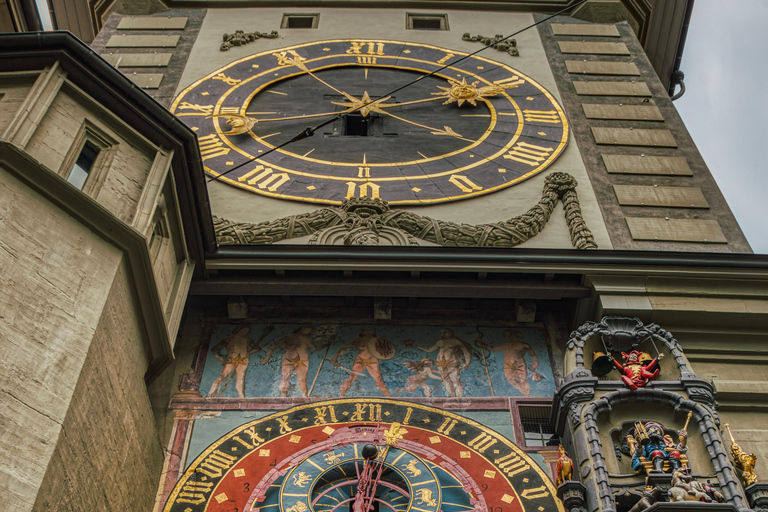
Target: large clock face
pixel 473 128
pixel 310 458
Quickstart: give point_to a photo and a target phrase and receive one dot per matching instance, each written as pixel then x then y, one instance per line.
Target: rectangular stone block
pixel 633 137
pixel 152 23
pixel 142 41
pixel 584 29
pixel 622 112
pixel 675 230
pixel 146 80
pixel 655 165
pixel 612 88
pixel 587 67
pixel 673 197
pixel 593 48
pixel 138 60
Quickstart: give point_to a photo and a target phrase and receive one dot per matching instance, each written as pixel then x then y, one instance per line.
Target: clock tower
pixel 407 256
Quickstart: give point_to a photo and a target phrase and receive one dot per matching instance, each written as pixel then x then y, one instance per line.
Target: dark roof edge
pixel 134 98
pixel 681 46
pixel 478 255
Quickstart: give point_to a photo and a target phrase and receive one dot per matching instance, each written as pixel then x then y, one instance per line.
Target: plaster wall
pixel 55 275
pixel 132 157
pixel 241 206
pixel 109 428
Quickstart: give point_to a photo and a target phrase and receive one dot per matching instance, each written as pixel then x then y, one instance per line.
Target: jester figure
pixel 638 368
pixel 660 447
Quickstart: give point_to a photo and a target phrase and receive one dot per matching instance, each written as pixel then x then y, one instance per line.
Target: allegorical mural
pixel 336 360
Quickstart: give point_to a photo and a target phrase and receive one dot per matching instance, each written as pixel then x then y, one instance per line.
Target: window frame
pixel 287 16
pixel 106 146
pixel 411 16
pixel 518 423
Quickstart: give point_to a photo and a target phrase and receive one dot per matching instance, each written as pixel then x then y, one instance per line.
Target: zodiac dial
pixel 356 455
pixel 470 129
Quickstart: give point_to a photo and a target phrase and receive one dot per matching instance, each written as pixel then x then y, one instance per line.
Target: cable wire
pixel 309 131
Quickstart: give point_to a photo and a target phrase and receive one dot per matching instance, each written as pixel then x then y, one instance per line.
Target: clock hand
pixel 241 123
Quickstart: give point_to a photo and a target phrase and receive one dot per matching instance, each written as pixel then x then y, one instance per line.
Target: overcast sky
pixel 725 106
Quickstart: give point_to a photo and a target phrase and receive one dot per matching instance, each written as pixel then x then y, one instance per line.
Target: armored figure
pixel 657 448
pixel 638 368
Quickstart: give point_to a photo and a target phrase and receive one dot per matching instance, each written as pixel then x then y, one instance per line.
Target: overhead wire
pixel 310 130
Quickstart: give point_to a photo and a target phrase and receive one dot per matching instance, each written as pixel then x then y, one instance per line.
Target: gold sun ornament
pixel 462 91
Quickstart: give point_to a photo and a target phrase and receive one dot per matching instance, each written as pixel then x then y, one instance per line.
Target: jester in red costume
pixel 637 371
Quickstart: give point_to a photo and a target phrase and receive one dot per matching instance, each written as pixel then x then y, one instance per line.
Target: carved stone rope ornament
pixel 240 38
pixel 371 222
pixel 509 46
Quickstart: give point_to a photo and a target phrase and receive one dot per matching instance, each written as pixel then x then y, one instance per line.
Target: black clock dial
pixel 473 128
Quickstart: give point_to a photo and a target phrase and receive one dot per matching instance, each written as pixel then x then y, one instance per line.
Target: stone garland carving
pixel 509 46
pixel 240 38
pixel 371 222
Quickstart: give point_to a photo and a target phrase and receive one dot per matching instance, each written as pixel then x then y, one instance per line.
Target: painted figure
pixel 638 368
pixel 235 362
pixel 650 496
pixel 564 466
pixel 295 359
pixel 451 351
pixel 515 367
pixel 743 461
pixel 658 448
pixel 685 488
pixel 422 371
pixel 370 349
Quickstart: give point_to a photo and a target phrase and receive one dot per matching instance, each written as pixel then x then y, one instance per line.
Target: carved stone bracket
pixel 372 222
pixel 573 495
pixel 509 46
pixel 240 38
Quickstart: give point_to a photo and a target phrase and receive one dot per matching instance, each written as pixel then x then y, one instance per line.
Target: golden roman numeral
pixel 542 116
pixel 215 462
pixel 512 464
pixel 537 492
pixel 203 109
pixel 464 183
pixel 265 178
pixel 322 412
pixel 358 47
pixel 445 59
pixel 530 154
pixel 211 146
pixel 227 80
pixel 510 82
pixel 229 110
pixel 363 172
pixel 446 427
pixel 362 191
pixel 482 442
pixel 366 60
pixel 194 492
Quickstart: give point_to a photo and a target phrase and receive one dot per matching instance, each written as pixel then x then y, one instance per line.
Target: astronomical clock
pixel 425 124
pixel 356 455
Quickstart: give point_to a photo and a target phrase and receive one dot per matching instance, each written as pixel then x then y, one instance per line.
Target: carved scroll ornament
pixel 371 222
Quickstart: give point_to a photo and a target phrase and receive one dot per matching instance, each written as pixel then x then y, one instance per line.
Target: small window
pixel 537 430
pixel 300 21
pixel 83 165
pixel 426 21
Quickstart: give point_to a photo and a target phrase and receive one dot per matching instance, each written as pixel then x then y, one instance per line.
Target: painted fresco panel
pixel 332 360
